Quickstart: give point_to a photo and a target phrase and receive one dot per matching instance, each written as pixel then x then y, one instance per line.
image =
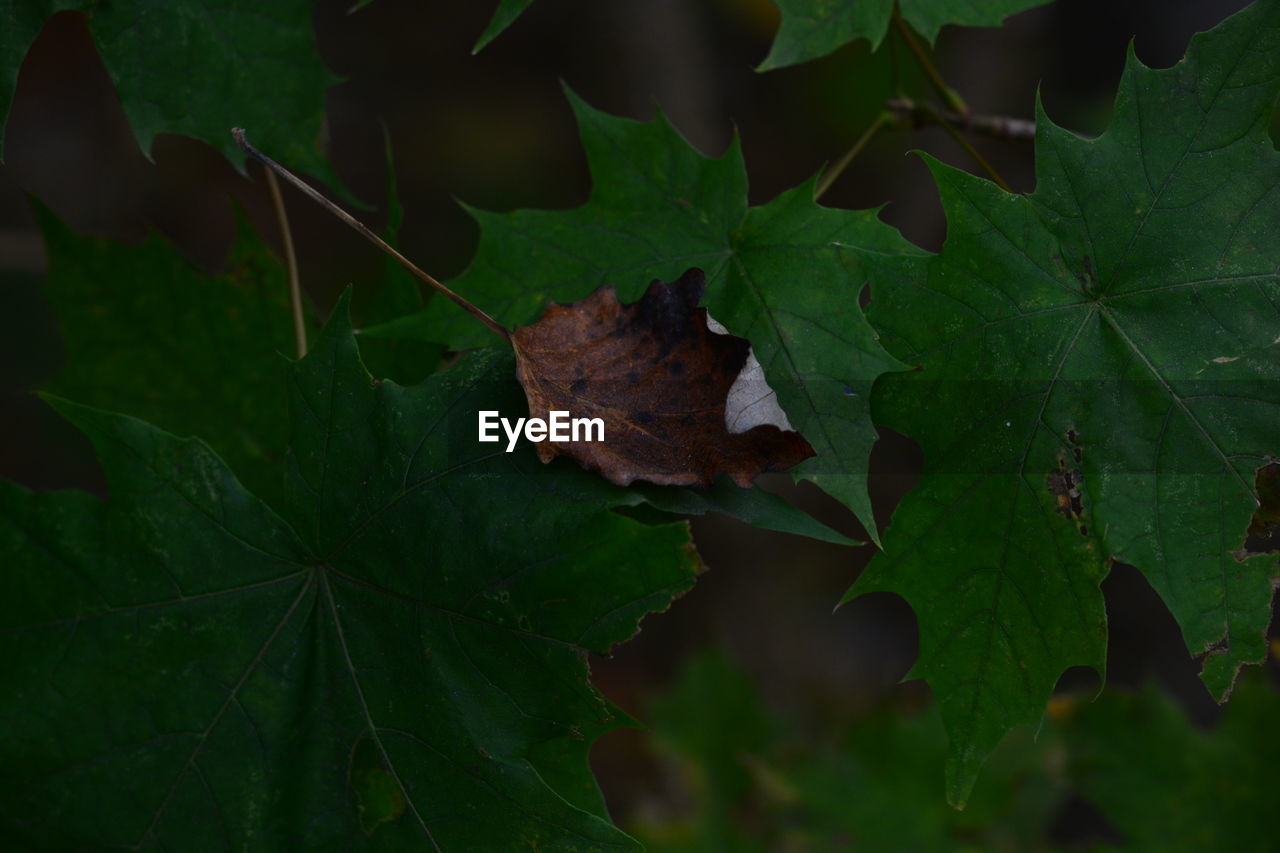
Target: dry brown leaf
pixel 658 378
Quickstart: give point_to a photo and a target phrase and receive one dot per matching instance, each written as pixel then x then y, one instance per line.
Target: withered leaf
pixel 658 378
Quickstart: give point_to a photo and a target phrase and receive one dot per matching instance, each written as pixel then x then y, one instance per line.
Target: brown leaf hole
pixel 1263 534
pixel 1064 484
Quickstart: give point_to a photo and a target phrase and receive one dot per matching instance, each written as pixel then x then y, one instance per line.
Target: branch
pixel 909 115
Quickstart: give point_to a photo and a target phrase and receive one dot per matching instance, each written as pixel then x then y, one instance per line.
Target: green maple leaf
pixel 1098 380
pixel 396 661
pixel 782 275
pixel 225 55
pixel 146 333
pixel 814 28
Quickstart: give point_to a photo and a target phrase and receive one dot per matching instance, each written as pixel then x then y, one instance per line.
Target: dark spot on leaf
pixel 1064 484
pixel 1073 438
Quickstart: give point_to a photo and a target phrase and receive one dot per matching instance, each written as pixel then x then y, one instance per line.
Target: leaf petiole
pixel 949 96
pixel 497 328
pixel 291 264
pixel 835 171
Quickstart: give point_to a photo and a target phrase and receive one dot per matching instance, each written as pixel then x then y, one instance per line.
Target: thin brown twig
pixel 290 263
pixel 492 324
pixel 829 177
pixel 949 96
pixel 908 115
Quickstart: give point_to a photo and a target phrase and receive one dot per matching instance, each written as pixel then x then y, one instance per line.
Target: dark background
pixel 496 132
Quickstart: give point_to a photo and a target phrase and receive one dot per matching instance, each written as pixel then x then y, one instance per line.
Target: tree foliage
pixel 1098 382
pixel 314 611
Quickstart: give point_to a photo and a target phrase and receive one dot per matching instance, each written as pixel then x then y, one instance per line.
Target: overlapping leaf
pixel 146 333
pixel 781 275
pixel 396 659
pixel 814 28
pixel 1099 380
pixel 197 68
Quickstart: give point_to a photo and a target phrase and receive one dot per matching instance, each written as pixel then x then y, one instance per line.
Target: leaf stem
pixel 290 263
pixel 829 177
pixel 494 325
pixel 959 137
pixel 949 96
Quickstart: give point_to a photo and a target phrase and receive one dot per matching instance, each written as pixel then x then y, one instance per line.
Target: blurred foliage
pixel 746 779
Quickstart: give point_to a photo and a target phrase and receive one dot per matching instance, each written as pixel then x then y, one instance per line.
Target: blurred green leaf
pixel 503 17
pixel 1098 380
pixel 1167 786
pixel 711 719
pixel 388 664
pixel 755 782
pixel 758 784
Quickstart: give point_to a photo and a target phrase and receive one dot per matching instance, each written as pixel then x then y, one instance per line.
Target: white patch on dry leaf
pixel 751 401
